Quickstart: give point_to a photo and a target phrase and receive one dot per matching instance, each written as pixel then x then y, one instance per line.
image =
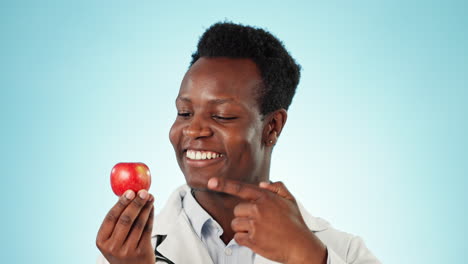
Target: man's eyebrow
pixel 182 98
pixel 221 101
pixel 217 101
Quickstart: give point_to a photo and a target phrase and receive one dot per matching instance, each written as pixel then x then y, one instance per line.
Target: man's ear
pixel 275 122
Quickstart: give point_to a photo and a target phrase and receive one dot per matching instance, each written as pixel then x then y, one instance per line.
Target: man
pixel 232 106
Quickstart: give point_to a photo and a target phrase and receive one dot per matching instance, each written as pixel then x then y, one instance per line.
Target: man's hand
pixel 125 233
pixel 270 223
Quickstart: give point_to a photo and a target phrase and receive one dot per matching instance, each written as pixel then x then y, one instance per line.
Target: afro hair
pixel 279 71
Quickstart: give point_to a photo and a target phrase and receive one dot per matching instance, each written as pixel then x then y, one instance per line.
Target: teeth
pixel 202 155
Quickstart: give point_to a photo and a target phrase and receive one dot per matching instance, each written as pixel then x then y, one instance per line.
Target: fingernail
pixel 263 184
pixel 129 194
pixel 213 183
pixel 143 194
pixel 151 199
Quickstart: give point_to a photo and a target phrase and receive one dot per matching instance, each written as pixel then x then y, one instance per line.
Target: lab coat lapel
pixel 182 245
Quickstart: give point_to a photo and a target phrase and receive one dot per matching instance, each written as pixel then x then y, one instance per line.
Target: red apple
pixel 130 176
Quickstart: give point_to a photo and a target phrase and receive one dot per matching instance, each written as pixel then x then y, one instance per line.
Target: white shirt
pixel 209 231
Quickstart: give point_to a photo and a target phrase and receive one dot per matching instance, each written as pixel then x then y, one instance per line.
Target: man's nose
pixel 197 129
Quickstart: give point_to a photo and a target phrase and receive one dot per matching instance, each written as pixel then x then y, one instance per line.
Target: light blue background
pixel 375 141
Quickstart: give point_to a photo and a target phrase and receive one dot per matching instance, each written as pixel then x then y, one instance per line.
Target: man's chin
pixel 198 183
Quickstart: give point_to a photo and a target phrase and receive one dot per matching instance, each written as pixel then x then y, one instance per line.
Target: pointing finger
pixel 236 188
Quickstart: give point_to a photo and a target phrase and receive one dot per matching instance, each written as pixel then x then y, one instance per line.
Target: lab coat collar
pixel 173 222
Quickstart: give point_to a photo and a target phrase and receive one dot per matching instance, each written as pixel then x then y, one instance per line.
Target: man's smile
pixel 202 154
pixel 202 158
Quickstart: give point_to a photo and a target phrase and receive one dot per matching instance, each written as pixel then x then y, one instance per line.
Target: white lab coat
pixel 182 245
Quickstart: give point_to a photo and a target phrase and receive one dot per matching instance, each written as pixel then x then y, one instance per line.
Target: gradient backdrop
pixel 375 141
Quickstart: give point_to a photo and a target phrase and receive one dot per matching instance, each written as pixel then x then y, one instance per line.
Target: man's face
pixel 218 130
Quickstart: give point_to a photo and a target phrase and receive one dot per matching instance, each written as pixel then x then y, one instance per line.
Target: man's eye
pixel 224 117
pixel 183 114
